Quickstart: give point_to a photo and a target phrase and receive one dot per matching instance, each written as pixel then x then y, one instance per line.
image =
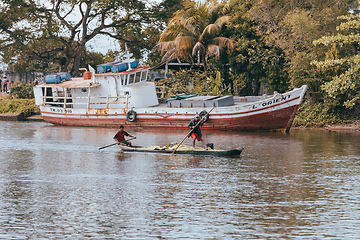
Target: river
pixel 56 184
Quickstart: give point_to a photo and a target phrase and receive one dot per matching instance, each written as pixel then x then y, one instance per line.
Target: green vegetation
pixel 46 35
pixel 318 115
pixel 188 81
pixel 18 105
pixel 22 90
pixel 195 32
pixel 21 99
pixel 344 87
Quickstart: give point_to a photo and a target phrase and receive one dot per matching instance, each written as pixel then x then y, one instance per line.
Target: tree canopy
pixel 195 32
pixel 254 61
pixel 58 31
pixel 345 86
pixel 293 26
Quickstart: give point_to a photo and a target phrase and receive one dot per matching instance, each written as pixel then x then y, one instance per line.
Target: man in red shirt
pixel 120 136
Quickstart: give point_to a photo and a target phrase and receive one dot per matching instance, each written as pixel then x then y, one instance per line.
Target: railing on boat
pixel 59 96
pixel 67 102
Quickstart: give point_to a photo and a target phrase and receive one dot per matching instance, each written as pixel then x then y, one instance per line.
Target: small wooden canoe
pixel 218 153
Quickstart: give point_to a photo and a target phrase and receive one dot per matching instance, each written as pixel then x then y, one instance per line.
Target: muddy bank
pixel 355 126
pixel 20 117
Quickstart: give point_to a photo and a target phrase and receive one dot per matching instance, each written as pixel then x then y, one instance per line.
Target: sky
pixel 102 44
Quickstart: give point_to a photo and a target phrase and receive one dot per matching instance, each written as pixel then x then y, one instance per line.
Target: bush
pixel 317 115
pixel 18 105
pixel 188 81
pixel 22 90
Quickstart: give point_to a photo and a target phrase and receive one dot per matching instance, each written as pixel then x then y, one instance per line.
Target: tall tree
pixel 293 26
pixel 344 87
pixel 253 62
pixel 58 31
pixel 140 38
pixel 195 32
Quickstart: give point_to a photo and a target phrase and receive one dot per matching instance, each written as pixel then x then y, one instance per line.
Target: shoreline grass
pixel 8 105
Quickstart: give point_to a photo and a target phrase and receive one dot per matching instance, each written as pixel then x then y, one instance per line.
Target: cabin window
pixel 132 78
pixel 43 91
pixel 143 75
pixel 137 77
pixel 123 79
pixel 49 94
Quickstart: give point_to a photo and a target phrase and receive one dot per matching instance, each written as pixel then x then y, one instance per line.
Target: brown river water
pixel 56 184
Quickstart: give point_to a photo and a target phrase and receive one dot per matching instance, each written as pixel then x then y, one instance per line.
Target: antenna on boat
pixel 127 59
pixel 92 70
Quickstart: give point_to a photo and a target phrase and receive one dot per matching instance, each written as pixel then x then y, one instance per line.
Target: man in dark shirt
pixel 120 136
pixel 196 133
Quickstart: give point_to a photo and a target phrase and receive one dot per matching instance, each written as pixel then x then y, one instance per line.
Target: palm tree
pixel 195 33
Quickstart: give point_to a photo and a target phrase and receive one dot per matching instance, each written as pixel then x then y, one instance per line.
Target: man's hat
pixel 197 116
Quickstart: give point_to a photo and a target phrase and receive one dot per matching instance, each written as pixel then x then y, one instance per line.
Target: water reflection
pixel 55 183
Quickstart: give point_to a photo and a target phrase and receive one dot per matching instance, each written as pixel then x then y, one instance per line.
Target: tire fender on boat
pixel 202 114
pixel 131 116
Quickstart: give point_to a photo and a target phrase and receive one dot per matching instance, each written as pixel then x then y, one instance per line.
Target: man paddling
pixel 196 133
pixel 120 137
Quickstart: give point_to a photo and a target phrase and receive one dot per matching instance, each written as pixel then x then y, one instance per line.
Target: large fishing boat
pixel 121 94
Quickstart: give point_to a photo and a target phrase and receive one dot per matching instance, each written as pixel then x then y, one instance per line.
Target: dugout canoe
pixel 200 152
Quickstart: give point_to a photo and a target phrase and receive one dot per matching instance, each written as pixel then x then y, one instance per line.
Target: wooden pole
pixel 107 146
pixel 191 131
pixel 113 144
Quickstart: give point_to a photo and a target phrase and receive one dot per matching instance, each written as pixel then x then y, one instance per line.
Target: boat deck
pixel 73 83
pixel 239 101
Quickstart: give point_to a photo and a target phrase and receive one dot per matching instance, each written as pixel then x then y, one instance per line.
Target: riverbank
pixel 355 126
pixel 21 117
pixel 18 109
pixel 3 95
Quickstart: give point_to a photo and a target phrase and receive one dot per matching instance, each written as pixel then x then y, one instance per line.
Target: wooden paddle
pixel 113 144
pixel 191 131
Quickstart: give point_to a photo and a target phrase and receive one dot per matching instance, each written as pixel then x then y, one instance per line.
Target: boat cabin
pixel 122 88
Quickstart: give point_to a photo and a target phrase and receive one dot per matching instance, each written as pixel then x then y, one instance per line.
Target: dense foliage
pixel 319 114
pixel 194 33
pixel 20 99
pixel 47 33
pixel 22 90
pixel 27 106
pixel 189 81
pixel 344 87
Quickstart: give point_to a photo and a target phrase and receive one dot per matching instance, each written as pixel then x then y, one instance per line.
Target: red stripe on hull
pixel 270 120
